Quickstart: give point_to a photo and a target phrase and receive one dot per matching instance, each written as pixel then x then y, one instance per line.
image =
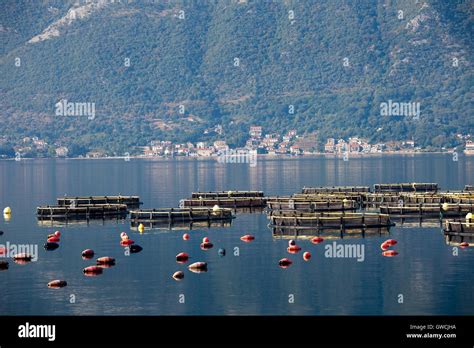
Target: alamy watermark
pixel 336 250
pixel 67 108
pixel 406 109
pixel 9 250
pixel 37 331
pixel 238 156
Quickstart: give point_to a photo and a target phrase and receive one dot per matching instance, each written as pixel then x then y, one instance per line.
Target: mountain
pixel 169 70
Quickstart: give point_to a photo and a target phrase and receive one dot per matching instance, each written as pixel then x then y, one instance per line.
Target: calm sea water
pixel 427 275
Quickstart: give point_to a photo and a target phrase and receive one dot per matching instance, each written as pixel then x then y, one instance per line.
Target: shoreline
pixel 262 156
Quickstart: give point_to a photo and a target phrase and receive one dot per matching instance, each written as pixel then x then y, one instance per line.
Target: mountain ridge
pixel 236 64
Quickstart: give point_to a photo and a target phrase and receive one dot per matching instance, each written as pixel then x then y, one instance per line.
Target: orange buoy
pixel 206 246
pixel 126 242
pixel 186 236
pixel 53 239
pixel 391 242
pixel 384 246
pixel 464 244
pixel 293 249
pixel 317 240
pixel 247 238
pixel 22 257
pixel 88 254
pixel 306 255
pixel 55 234
pixel 182 257
pixel 56 284
pixel 390 253
pixel 285 263
pixel 205 240
pixel 178 275
pixel 92 270
pixel 105 260
pixel 198 267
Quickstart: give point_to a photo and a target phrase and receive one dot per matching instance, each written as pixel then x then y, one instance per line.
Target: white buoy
pixel 445 206
pixel 216 208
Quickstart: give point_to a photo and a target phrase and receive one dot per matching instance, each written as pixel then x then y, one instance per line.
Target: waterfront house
pixel 469 150
pixel 255 132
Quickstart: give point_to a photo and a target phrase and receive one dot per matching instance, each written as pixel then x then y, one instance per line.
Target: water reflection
pixel 432 280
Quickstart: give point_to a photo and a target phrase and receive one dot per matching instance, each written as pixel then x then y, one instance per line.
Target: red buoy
pixel 205 240
pixel 186 236
pixel 317 240
pixel 56 284
pixel 306 255
pixel 126 242
pixel 390 253
pixel 92 270
pixel 464 244
pixel 178 275
pixel 53 239
pixel 384 246
pixel 206 246
pixel 106 260
pixel 55 234
pixel 182 257
pixel 285 263
pixel 391 242
pixel 293 249
pixel 3 250
pixel 88 254
pixel 247 238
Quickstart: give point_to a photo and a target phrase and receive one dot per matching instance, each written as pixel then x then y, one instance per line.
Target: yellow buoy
pixel 7 210
pixel 445 206
pixel 7 217
pixel 141 228
pixel 469 217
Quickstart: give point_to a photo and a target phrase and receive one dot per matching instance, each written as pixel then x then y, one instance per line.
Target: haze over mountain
pixel 169 70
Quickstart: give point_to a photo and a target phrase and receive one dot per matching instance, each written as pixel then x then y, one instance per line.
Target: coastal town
pixel 272 144
pixel 290 144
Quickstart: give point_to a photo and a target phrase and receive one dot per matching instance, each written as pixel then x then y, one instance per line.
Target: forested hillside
pixel 169 70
